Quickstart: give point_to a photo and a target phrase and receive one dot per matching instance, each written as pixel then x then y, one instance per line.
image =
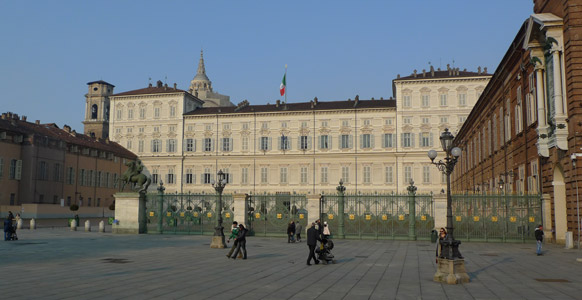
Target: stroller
pixel 324 252
pixel 10 231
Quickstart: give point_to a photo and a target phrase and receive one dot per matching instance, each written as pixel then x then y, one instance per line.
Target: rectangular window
pixel 425 120
pixel 407 174
pixel 156 112
pixel 172 128
pixel 208 127
pixel 346 174
pixel 264 175
pixel 304 145
pixel 130 114
pixel 284 143
pixel 142 113
pixel 189 176
pixel 98 178
pixel 389 174
pixel 303 174
pixel 324 142
pixel 119 114
pixel 172 111
pixel 303 124
pixel 82 177
pixel 283 177
pixel 57 176
pixel 71 176
pixel 426 174
pixel 366 141
pixel 264 143
pixel 190 145
pixel 444 120
pixel 518 112
pixel 170 177
pixel 462 119
pixel 388 122
pixel 425 100
pixel 367 174
pixel 226 144
pixel 462 99
pixel 345 123
pixel 407 120
pixel 323 174
pixel 140 144
pixel 244 176
pixel 208 145
pixel 443 98
pixel 406 101
pixel 265 125
pixel 245 126
pixel 346 141
pixel 156 145
pixel 245 143
pixel 226 126
pixel 324 124
pixel 206 177
pixel 156 128
pixel 42 173
pixel 407 140
pixel 388 140
pixel 426 139
pixel 129 144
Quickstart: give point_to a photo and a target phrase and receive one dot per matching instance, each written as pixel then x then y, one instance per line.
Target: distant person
pixel 77 220
pixel 539 234
pixel 291 232
pixel 326 232
pixel 233 234
pixel 439 249
pixel 241 242
pixel 7 229
pixel 298 229
pixel 312 238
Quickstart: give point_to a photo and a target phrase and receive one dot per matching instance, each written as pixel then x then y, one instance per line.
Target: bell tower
pixel 96 121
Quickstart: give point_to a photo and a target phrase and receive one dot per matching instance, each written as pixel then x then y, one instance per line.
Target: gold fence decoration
pixel 151 214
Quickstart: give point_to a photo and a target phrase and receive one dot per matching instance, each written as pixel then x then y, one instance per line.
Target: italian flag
pixel 283 84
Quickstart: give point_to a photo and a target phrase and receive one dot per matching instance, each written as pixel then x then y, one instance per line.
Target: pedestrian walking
pixel 291 232
pixel 539 234
pixel 312 238
pixel 439 249
pixel 298 229
pixel 233 234
pixel 241 242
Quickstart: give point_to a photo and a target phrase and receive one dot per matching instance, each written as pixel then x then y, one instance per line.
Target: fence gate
pixel 186 213
pixel 269 215
pixel 496 217
pixel 379 216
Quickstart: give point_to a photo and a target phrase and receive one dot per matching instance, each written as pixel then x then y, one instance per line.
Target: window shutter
pixel 280 139
pixel 212 144
pixel 167 145
pixel 431 139
pixel 309 142
pixel 193 145
pixel 269 146
pixel 18 174
pixel 372 141
pixel 339 141
pixel 184 145
pixel 319 141
pixel 231 144
pixel 329 138
pixel 420 139
pixel 361 141
pixel 152 145
pixel 393 140
pixel 402 140
pixel 412 140
pixel 384 143
pixel 350 141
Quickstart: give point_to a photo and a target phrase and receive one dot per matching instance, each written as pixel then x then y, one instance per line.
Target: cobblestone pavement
pixel 60 264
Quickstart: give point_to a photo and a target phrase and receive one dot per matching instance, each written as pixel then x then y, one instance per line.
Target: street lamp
pixel 450 246
pixel 341 189
pixel 218 238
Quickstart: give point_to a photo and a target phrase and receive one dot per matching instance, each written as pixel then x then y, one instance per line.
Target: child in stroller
pixel 324 252
pixel 9 230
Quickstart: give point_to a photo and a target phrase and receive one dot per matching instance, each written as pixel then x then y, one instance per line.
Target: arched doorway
pixel 560 217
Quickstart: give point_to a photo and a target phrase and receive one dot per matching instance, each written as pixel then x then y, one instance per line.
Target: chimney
pixel 372 98
pixel 381 98
pixel 23 118
pixel 175 86
pixel 277 103
pixel 67 128
pixel 37 122
pixel 107 140
pixel 315 101
pixel 311 103
pixel 159 84
pixel 414 73
pixel 484 70
pixel 438 69
pixel 449 69
pixel 398 76
pixel 165 87
pixel 423 73
pixel 479 70
pixel 74 133
pixel 431 71
pixel 150 85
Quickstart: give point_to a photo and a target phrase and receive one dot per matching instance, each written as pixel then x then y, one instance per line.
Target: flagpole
pixel 285 84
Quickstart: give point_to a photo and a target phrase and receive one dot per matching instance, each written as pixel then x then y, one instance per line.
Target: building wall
pixel 9 184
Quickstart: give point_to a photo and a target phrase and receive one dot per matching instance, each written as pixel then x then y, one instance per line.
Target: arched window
pixel 94 111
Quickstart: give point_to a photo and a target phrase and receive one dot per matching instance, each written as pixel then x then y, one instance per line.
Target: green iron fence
pixel 270 214
pixel 368 216
pixel 186 213
pixel 496 217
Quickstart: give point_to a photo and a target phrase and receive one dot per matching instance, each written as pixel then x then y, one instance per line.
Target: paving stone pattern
pixel 59 264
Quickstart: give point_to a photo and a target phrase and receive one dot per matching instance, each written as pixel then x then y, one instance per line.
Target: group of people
pixel 294 230
pixel 321 234
pixel 9 227
pixel 238 233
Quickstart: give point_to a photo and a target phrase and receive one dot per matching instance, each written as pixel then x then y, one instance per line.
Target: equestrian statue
pixel 134 176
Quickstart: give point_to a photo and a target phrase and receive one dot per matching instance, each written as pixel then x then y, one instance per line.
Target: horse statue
pixel 134 176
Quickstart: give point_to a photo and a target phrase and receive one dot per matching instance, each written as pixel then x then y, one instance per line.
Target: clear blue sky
pixel 334 50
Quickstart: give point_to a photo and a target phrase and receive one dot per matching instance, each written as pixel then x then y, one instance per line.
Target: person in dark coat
pixel 241 242
pixel 312 238
pixel 298 229
pixel 291 232
pixel 7 229
pixel 539 233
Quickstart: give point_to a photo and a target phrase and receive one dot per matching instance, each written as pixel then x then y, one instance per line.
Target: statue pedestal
pixel 217 242
pixel 130 213
pixel 451 271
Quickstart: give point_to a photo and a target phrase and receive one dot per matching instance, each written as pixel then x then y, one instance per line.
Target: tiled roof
pixel 302 106
pixel 151 90
pixel 53 131
pixel 100 81
pixel 443 74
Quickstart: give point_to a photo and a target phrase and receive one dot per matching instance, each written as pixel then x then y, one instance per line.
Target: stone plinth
pixel 129 213
pixel 451 271
pixel 217 242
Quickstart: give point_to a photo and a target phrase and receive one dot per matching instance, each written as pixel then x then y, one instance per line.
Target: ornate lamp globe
pixel 446 140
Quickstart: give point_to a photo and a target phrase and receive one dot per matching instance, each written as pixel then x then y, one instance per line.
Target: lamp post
pixel 340 209
pixel 450 245
pixel 451 265
pixel 218 238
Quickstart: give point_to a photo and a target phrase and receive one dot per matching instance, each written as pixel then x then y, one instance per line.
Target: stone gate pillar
pixel 312 208
pixel 239 205
pixel 130 213
pixel 440 210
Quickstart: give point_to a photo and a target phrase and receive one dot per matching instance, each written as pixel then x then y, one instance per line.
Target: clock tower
pixel 96 123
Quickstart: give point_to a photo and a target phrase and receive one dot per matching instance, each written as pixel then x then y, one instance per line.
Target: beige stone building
pixel 427 103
